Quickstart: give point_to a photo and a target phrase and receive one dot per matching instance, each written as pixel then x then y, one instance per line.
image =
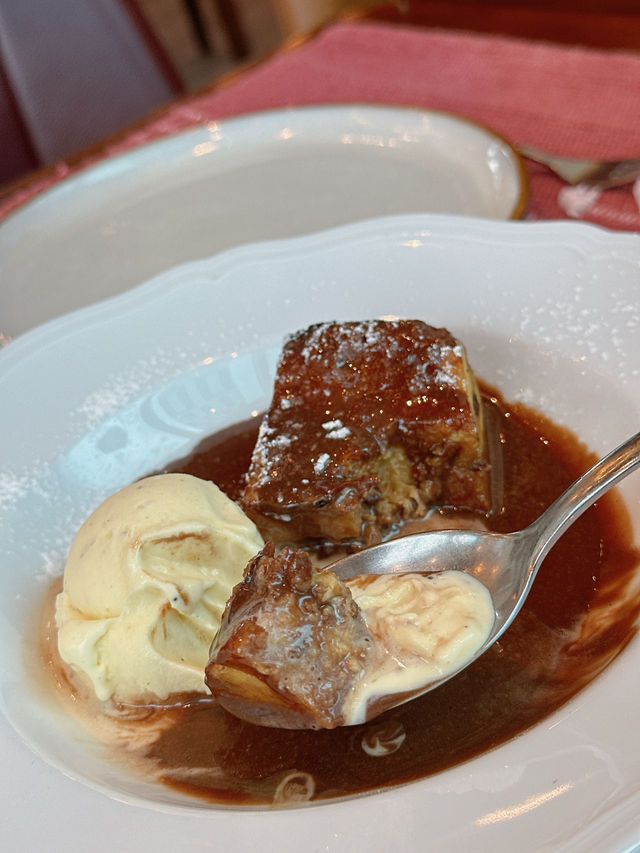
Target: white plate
pixel 550 313
pixel 262 176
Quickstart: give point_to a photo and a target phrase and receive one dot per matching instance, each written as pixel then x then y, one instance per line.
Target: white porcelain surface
pixel 267 175
pixel 550 314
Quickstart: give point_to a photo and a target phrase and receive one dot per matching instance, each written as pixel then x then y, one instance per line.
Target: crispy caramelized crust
pixel 371 423
pixel 291 644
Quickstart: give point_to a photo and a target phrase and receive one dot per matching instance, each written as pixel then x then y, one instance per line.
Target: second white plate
pixel 266 175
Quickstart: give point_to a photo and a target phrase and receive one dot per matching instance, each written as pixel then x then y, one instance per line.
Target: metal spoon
pixel 506 563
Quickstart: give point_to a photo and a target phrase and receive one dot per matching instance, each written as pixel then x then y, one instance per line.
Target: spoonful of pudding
pixel 506 564
pixel 300 648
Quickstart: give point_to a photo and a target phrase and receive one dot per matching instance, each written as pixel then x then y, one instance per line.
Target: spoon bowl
pixel 506 563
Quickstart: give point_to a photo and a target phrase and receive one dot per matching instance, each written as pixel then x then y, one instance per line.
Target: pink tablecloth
pixel 572 101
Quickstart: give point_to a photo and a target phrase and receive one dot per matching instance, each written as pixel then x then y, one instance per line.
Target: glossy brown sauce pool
pixel 575 621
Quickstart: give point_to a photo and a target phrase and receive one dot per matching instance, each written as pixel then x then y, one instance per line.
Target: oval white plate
pixel 550 313
pixel 266 175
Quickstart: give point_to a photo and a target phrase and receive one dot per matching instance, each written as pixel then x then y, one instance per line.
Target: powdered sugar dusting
pixel 28 482
pixel 343 432
pixel 336 429
pixel 125 386
pixel 321 463
pixel 12 487
pixel 29 498
pixel 283 440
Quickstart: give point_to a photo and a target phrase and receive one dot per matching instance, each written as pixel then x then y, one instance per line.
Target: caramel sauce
pixel 580 615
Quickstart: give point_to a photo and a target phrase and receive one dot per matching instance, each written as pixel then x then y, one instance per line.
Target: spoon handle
pixel 553 522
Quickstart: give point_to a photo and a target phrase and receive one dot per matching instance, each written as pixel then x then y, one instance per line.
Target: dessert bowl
pixel 549 315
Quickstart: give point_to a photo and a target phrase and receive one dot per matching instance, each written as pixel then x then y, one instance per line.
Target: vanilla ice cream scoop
pixel 145 584
pixel 426 627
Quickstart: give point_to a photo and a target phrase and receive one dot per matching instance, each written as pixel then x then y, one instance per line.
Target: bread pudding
pixel 371 424
pixel 291 644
